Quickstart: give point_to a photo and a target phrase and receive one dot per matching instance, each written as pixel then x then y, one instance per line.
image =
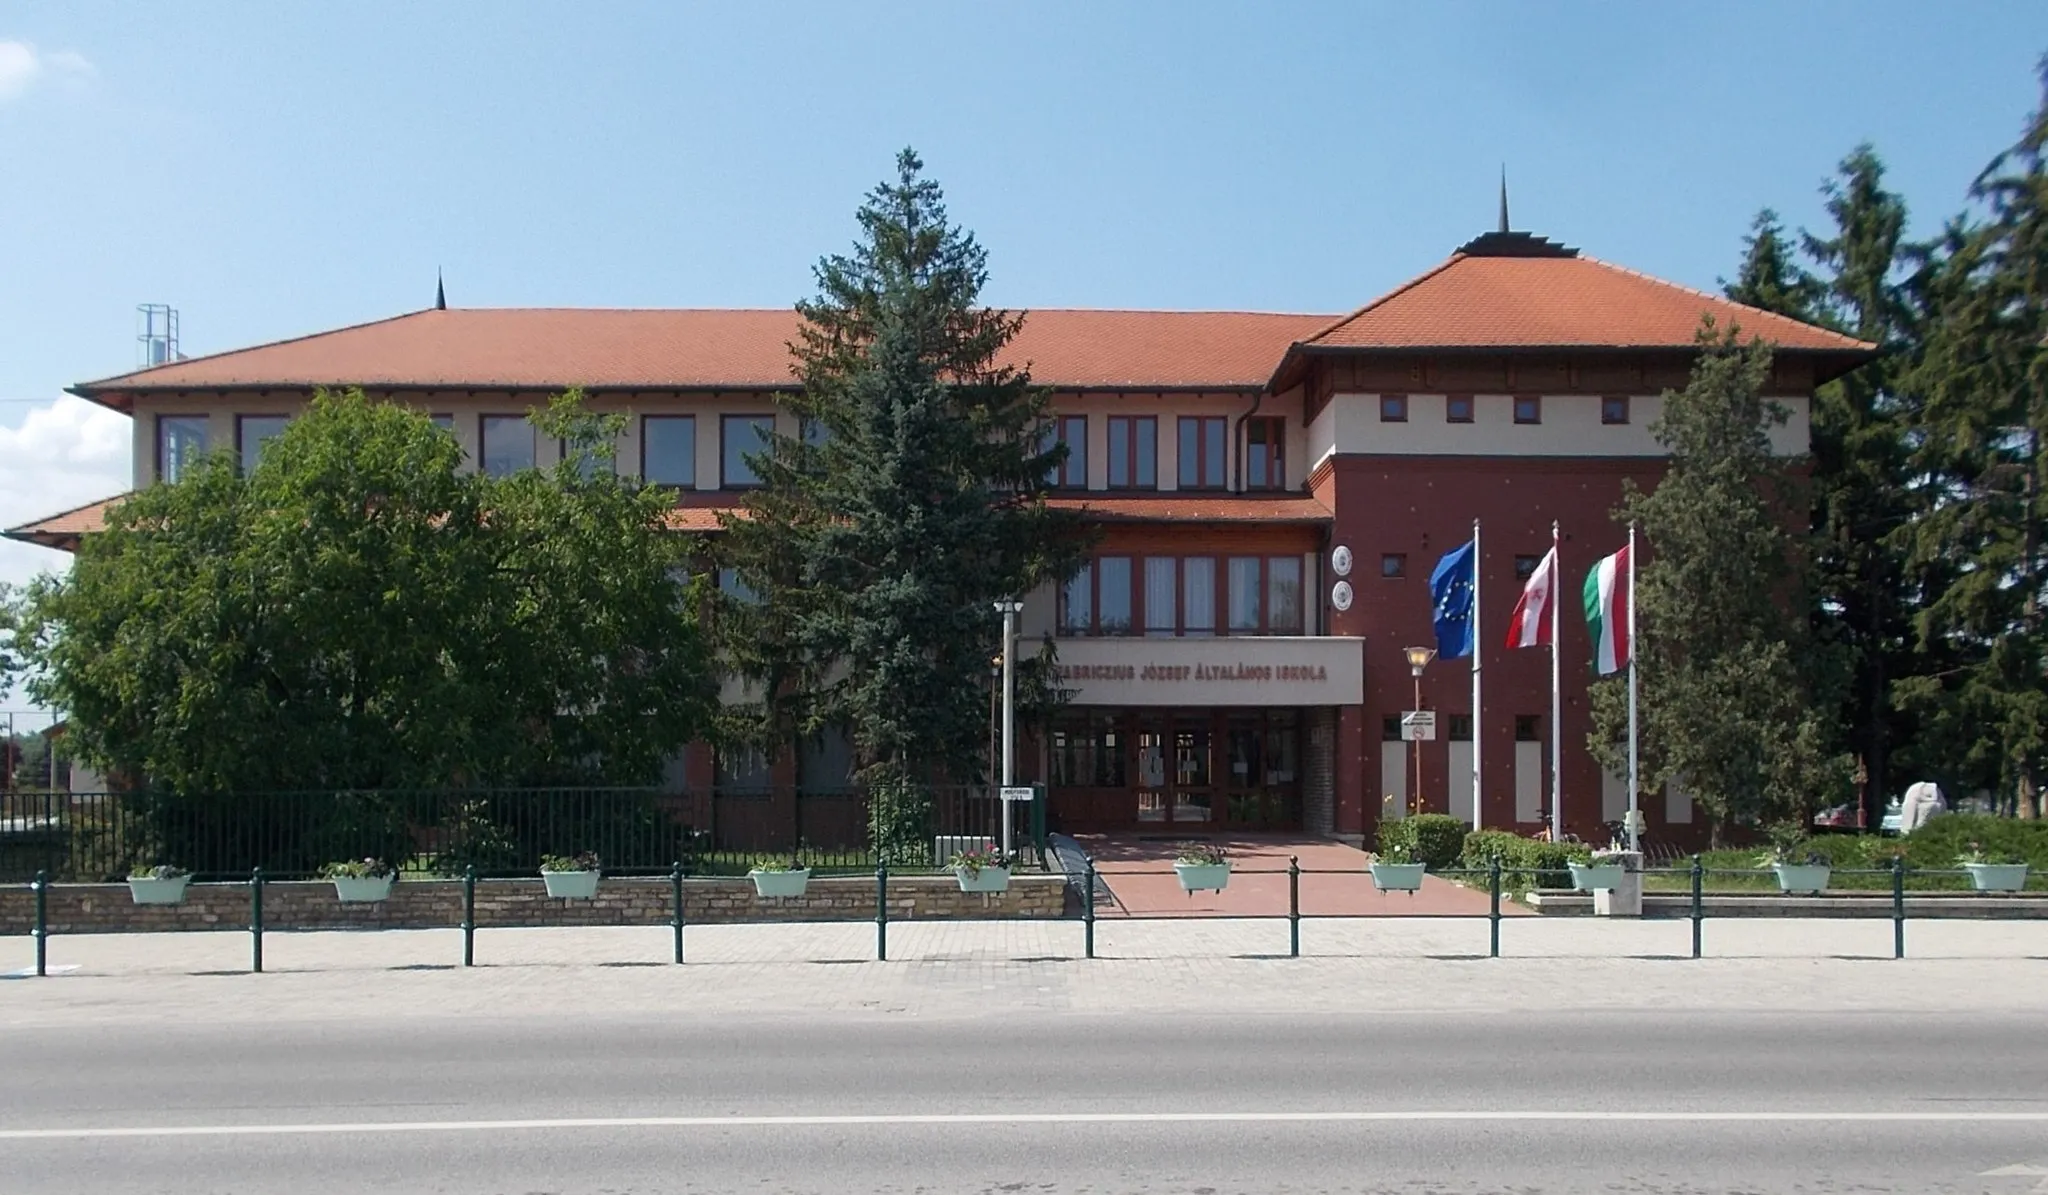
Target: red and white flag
pixel 1530 625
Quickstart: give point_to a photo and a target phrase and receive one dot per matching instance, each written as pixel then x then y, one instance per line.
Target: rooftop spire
pixel 441 291
pixel 1503 197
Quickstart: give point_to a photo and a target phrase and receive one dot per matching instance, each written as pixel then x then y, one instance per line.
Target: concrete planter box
pixel 1997 877
pixel 571 885
pixel 988 879
pixel 1198 877
pixel 780 883
pixel 358 890
pixel 159 892
pixel 1591 877
pixel 1398 877
pixel 1802 877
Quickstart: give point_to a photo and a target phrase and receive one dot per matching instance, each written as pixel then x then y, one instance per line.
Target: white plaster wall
pixel 1393 780
pixel 1528 782
pixel 1350 423
pixel 1458 781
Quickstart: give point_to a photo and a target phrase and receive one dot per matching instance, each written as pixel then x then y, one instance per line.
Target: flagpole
pixel 1634 650
pixel 1478 735
pixel 1556 700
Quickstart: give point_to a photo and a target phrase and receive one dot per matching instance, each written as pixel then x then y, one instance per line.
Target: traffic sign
pixel 1023 792
pixel 1419 726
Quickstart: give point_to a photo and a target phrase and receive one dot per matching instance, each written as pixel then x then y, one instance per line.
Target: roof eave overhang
pixel 1829 363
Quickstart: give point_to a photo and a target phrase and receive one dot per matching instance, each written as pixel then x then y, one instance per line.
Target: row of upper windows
pixel 1460 408
pixel 1168 596
pixel 1201 462
pixel 1394 565
pixel 508 443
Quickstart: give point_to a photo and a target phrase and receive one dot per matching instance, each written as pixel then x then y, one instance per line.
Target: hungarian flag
pixel 1530 626
pixel 1607 595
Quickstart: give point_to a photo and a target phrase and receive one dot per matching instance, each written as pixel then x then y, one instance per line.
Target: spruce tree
pixel 1724 652
pixel 1771 277
pixel 912 502
pixel 1983 390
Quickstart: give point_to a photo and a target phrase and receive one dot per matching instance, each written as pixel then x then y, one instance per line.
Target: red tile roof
pixel 550 348
pixel 62 530
pixel 1474 301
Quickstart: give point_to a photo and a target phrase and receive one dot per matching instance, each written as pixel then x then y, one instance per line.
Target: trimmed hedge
pixel 1933 847
pixel 1525 863
pixel 1433 838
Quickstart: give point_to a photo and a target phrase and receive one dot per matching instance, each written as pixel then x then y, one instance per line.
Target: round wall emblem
pixel 1340 560
pixel 1340 595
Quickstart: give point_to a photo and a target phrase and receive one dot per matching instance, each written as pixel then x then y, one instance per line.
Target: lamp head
pixel 1419 658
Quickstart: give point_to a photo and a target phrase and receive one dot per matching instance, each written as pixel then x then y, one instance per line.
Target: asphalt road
pixel 1528 1102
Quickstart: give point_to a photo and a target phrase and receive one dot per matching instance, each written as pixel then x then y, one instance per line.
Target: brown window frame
pixel 1265 626
pixel 1274 429
pixel 1450 408
pixel 1526 565
pixel 725 420
pixel 1094 628
pixel 1609 404
pixel 1071 474
pixel 206 439
pixel 1393 408
pixel 243 464
pixel 483 447
pixel 1133 458
pixel 1202 424
pixel 1399 561
pixel 1536 409
pixel 691 419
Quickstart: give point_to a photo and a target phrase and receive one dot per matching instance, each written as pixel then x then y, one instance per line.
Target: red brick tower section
pixel 1513 384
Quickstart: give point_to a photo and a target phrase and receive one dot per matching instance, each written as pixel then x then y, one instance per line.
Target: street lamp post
pixel 1418 659
pixel 1009 608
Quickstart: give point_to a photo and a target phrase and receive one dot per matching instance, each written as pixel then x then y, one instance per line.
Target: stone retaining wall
pixel 432 904
pixel 1972 906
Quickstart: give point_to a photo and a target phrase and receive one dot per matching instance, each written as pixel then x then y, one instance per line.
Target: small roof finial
pixel 1503 196
pixel 441 290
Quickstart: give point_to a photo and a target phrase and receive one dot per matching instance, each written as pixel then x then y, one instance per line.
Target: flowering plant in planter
pixel 1978 855
pixel 1200 866
pixel 359 869
pixel 1395 854
pixel 586 861
pixel 777 863
pixel 1790 847
pixel 1201 854
pixel 774 875
pixel 162 884
pixel 975 860
pixel 161 871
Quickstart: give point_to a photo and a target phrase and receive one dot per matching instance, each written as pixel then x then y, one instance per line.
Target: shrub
pixel 1525 863
pixel 1433 838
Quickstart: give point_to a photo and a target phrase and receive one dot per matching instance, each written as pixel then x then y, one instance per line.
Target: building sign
pixel 1320 670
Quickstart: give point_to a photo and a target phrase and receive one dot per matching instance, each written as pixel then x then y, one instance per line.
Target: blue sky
pixel 277 169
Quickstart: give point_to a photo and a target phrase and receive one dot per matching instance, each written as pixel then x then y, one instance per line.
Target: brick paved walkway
pixel 1334 881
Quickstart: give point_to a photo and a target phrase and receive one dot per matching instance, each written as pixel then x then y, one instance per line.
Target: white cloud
pixel 21 66
pixel 66 454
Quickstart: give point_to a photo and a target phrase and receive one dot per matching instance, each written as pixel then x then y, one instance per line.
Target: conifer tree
pixel 913 500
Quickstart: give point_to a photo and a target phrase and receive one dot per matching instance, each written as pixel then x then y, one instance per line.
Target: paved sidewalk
pixel 1334 881
pixel 987 968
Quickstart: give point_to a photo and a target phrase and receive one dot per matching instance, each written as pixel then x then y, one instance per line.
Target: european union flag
pixel 1450 590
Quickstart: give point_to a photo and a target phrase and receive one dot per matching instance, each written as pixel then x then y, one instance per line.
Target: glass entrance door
pixel 1194 771
pixel 1155 793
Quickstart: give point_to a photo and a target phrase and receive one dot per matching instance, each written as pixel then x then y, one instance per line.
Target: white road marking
pixel 75 1133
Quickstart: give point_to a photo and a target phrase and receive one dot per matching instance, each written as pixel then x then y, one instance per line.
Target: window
pixel 1528 728
pixel 813 431
pixel 824 761
pixel 1393 408
pixel 1525 566
pixel 508 445
pixel 1072 474
pixel 1461 728
pixel 590 463
pixel 180 442
pixel 1244 594
pixel 1087 752
pixel 1390 729
pixel 1198 595
pixel 1394 565
pixel 741 768
pixel 668 450
pixel 739 437
pixel 1528 408
pixel 252 432
pixel 1283 595
pixel 1113 598
pixel 1162 595
pixel 1202 452
pixel 1265 462
pixel 445 422
pixel 1133 452
pixel 1457 408
pixel 1614 409
pixel 1077 602
pixel 729 584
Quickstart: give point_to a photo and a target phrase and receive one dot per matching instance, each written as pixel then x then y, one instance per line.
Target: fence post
pixel 1898 906
pixel 1493 893
pixel 1088 909
pixel 881 912
pixel 256 920
pixel 469 916
pixel 42 930
pixel 675 881
pixel 1698 909
pixel 1293 906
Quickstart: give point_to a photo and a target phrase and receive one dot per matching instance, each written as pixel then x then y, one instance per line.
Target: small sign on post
pixel 1418 726
pixel 1022 792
